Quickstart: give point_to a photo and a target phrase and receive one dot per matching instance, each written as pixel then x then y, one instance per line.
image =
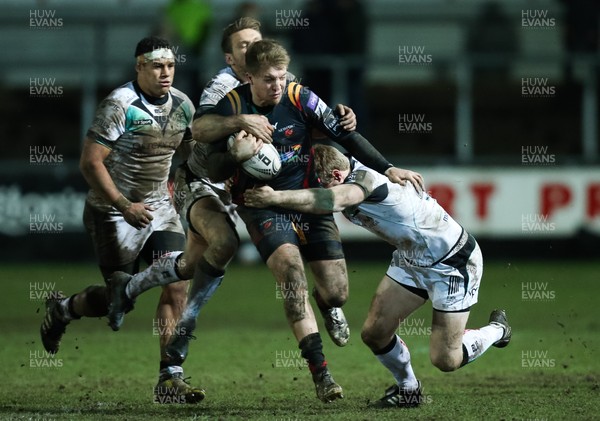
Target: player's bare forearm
pixel 212 127
pixel 320 201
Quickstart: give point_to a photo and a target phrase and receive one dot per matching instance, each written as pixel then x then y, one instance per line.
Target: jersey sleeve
pixel 229 105
pixel 189 116
pixel 365 178
pixel 109 122
pixel 316 110
pixel 212 94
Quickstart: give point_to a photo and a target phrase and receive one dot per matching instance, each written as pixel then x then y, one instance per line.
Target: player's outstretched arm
pixel 209 128
pixel 366 153
pixel 320 201
pixel 95 173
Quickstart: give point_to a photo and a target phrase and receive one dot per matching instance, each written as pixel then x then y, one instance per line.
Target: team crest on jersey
pixel 266 226
pixel 288 132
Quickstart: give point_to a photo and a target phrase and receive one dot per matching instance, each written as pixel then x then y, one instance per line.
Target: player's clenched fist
pixel 244 146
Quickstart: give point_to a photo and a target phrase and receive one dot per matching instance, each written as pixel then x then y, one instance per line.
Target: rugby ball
pixel 265 165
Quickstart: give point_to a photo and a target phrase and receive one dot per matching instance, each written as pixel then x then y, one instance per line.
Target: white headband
pixel 158 54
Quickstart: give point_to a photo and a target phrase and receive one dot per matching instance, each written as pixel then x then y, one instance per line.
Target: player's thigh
pixel 447 330
pixel 117 244
pixel 209 218
pixel 268 233
pixel 391 304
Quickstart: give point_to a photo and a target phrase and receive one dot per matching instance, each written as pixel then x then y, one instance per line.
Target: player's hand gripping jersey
pixel 415 224
pixel 293 118
pixel 142 135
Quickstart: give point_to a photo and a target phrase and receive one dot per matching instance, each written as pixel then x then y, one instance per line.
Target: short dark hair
pixel 238 25
pixel 149 44
pixel 265 53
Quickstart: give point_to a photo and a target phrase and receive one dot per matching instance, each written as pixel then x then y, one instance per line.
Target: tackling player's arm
pixel 327 121
pixel 318 200
pixel 95 173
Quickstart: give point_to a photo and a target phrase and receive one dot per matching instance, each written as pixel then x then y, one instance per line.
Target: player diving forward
pixel 435 258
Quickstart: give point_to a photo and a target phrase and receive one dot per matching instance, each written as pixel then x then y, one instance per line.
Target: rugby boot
pixel 498 318
pixel 119 303
pixel 395 397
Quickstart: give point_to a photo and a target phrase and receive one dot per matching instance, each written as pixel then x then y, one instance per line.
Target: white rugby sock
pixel 477 341
pixel 161 272
pixel 397 360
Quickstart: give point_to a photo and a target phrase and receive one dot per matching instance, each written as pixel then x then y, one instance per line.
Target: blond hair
pixel 265 53
pixel 327 159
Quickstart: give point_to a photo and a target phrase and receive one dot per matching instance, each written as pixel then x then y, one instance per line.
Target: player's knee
pixel 375 337
pixel 336 300
pixel 369 337
pixel 223 248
